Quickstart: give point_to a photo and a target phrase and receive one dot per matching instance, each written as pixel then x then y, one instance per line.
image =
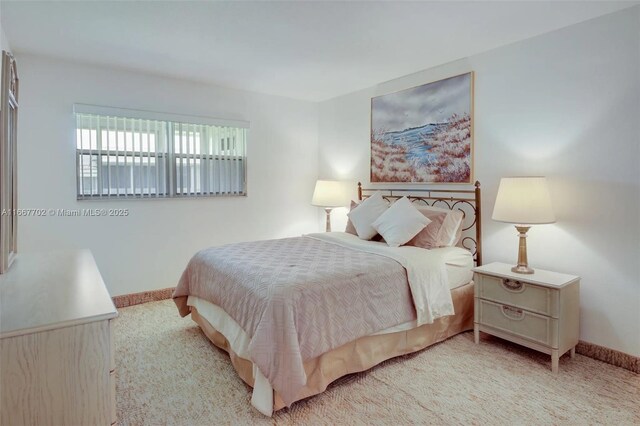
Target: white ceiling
pixel 305 50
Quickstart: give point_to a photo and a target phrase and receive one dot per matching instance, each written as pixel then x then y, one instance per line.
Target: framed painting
pixel 424 134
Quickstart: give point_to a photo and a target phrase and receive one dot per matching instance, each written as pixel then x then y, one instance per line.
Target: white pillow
pixel 366 213
pixel 400 223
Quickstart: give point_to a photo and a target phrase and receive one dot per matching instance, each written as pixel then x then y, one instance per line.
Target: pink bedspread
pixel 298 298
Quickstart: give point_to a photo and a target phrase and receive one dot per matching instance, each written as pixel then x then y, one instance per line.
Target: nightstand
pixel 539 310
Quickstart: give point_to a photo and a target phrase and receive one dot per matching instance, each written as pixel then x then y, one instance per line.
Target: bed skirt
pixel 360 354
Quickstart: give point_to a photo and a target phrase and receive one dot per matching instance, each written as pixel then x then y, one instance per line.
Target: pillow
pixel 400 223
pixel 428 237
pixel 444 230
pixel 363 215
pixel 350 229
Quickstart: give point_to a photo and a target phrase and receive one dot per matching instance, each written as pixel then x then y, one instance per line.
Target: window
pixel 157 156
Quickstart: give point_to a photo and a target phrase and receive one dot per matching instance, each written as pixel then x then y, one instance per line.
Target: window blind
pixel 132 157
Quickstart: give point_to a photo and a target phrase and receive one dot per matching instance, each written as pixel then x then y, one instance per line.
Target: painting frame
pixel 414 172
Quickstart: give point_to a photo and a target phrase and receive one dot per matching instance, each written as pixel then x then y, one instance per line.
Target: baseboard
pixel 146 296
pixel 601 353
pixel 610 356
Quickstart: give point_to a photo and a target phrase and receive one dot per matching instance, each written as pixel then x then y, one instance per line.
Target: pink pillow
pixel 444 230
pixel 350 229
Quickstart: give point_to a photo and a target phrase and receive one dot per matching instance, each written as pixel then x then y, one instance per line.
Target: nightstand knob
pixel 512 313
pixel 512 285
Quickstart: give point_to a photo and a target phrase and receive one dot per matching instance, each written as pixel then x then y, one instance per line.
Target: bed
pixel 295 314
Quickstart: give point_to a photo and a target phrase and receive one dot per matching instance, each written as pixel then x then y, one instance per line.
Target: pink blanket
pixel 298 298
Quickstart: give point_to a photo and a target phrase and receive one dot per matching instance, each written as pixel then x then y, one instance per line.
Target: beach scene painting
pixel 424 134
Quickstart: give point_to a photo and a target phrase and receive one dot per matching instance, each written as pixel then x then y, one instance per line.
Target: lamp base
pixel 523 265
pixel 522 269
pixel 328 221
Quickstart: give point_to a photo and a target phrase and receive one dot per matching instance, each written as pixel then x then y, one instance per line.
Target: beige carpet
pixel 169 373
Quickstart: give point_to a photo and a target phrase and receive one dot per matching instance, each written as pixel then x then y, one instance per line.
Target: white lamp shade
pixel 331 193
pixel 524 201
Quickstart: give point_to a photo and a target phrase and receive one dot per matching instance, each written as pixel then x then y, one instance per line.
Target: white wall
pixel 4 43
pixel 565 105
pixel 150 248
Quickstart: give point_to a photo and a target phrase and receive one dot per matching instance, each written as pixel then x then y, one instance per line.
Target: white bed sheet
pixel 458 261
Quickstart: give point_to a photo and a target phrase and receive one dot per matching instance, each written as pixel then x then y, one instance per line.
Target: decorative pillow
pixel 400 223
pixel 350 229
pixel 444 230
pixel 363 215
pixel 428 237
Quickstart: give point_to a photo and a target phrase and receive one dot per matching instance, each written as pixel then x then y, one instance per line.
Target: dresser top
pixel 539 277
pixel 43 291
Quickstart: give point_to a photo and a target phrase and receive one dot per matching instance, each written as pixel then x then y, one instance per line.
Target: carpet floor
pixel 169 373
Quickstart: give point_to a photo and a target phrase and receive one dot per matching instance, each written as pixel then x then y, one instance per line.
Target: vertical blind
pixel 149 158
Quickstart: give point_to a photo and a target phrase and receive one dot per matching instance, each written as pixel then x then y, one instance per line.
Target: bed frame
pixel 465 200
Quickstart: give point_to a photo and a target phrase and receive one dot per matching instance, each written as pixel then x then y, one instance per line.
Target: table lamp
pixel 523 201
pixel 330 194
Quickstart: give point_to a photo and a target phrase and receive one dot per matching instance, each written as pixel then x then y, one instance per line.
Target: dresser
pixel 56 344
pixel 539 310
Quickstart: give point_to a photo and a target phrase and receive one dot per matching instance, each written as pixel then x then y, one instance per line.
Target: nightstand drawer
pixel 519 294
pixel 518 322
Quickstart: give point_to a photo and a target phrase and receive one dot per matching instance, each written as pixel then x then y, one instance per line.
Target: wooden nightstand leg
pixel 555 360
pixel 476 334
pixel 572 353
